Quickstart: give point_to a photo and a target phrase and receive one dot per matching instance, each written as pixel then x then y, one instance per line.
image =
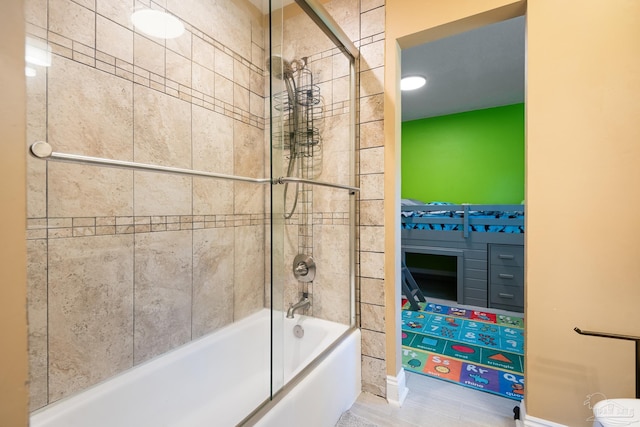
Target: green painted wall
pixel 471 157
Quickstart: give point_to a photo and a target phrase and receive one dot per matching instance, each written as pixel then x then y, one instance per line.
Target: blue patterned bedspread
pixel 451 220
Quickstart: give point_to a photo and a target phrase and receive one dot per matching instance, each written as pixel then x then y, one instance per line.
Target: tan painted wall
pixel 13 317
pixel 583 151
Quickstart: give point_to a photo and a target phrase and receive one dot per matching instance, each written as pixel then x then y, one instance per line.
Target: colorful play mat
pixel 476 349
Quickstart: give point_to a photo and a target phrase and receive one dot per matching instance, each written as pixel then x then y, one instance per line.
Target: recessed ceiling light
pixel 412 82
pixel 157 24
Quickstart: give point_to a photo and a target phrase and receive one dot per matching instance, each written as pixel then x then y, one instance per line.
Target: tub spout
pixel 303 303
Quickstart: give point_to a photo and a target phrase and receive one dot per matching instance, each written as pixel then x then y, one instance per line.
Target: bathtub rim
pixel 258 413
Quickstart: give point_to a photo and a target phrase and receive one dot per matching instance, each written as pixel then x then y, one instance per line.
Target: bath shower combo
pixel 266 365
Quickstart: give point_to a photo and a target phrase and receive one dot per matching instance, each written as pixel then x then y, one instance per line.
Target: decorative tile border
pixel 67 227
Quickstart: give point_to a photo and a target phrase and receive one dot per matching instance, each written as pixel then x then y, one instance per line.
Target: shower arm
pixel 43 150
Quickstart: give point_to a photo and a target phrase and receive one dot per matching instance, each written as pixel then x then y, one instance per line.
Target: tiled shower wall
pixel 320 226
pixel 371 210
pixel 364 22
pixel 179 254
pixel 124 265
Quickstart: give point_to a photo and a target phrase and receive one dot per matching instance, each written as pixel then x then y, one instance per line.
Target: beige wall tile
pixel 372 186
pixel 181 45
pixel 372 135
pixel 340 88
pixel 372 160
pixel 248 158
pixel 197 13
pixel 230 24
pixel 35 12
pixel 372 22
pixel 258 55
pixel 90 311
pixel 366 5
pixel 37 321
pixel 163 288
pixel 371 108
pixel 72 21
pixel 373 344
pixel 331 293
pixel 372 55
pixel 212 152
pixel 248 276
pixel 327 199
pixel 341 65
pixel 78 101
pixel 241 74
pixel 371 212
pixel 374 379
pixel 89 4
pixel 162 137
pixel 372 264
pixel 36 131
pixel 203 79
pixel 372 291
pixel 148 54
pixel 372 81
pixel 372 317
pixel 213 263
pixel 372 238
pixel 178 68
pixel 114 39
pixel 203 53
pixel 159 194
pixel 346 14
pixel 301 37
pixel 224 64
pixel 224 89
pixel 241 97
pixel 118 11
pixel 256 104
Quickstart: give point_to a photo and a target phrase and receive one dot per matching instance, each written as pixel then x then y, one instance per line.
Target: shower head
pixel 280 67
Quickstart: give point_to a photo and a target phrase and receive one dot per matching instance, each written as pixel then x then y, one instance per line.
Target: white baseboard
pixel 529 421
pixel 397 388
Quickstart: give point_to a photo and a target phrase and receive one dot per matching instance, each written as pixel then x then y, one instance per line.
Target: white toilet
pixel 617 413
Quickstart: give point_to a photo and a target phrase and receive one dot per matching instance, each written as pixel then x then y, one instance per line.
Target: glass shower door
pixel 313 195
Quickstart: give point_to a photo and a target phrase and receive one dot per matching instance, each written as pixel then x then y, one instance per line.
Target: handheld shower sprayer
pixel 280 67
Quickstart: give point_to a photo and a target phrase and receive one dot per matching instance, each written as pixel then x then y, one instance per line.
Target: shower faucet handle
pixel 304 268
pixel 301 269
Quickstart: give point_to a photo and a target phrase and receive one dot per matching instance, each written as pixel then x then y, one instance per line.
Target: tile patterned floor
pixel 436 403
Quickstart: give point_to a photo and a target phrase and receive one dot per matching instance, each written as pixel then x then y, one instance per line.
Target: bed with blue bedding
pixel 463 218
pixel 487 241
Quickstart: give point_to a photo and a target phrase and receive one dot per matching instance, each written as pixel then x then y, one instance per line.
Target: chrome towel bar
pixel 43 150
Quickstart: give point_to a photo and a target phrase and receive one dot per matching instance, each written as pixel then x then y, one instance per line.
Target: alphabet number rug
pixel 476 349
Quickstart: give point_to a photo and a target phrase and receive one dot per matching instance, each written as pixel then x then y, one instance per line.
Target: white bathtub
pixel 218 380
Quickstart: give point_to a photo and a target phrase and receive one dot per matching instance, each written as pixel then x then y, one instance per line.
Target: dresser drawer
pixel 505 275
pixel 508 295
pixel 508 255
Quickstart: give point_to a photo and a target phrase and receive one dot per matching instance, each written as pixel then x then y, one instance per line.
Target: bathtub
pixel 221 378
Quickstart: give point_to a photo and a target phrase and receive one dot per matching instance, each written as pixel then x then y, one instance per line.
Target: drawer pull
pixel 503 295
pixel 505 276
pixel 505 256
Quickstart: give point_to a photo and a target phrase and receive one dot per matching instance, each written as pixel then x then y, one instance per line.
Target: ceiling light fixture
pixel 412 82
pixel 157 24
